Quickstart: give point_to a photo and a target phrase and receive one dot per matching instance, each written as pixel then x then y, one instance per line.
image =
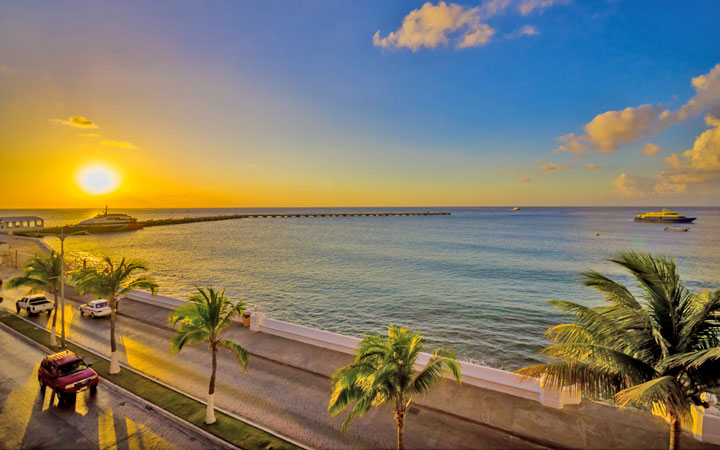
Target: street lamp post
pixel 62 236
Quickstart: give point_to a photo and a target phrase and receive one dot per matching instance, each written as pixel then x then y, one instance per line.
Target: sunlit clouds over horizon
pixel 440 103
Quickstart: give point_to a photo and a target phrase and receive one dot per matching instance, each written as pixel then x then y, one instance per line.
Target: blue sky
pixel 286 87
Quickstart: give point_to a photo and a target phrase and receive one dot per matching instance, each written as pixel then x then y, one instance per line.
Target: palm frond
pixel 240 353
pixel 664 393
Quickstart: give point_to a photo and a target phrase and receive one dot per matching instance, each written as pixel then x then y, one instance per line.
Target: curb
pixel 162 383
pixel 176 422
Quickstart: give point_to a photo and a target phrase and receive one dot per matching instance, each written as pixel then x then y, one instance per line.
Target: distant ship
pixel 664 216
pixel 105 222
pixel 514 208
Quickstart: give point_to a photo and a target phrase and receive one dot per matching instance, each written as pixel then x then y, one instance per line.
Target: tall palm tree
pixel 204 318
pixel 657 351
pixel 111 281
pixel 383 372
pixel 43 274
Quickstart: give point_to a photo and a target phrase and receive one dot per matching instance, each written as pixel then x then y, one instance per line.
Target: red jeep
pixel 66 374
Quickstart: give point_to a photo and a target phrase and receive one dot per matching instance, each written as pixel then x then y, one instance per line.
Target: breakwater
pixel 67 229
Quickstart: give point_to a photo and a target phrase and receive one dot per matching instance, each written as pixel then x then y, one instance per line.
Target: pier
pixel 184 220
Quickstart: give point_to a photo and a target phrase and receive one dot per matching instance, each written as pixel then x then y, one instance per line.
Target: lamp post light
pixel 62 236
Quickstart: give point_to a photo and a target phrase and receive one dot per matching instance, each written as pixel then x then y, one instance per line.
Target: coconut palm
pixel 204 318
pixel 657 351
pixel 43 274
pixel 111 281
pixel 383 372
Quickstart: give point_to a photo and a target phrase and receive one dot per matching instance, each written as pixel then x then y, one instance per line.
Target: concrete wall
pixel 504 400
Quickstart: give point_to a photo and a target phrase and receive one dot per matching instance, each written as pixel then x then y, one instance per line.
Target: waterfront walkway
pixel 274 394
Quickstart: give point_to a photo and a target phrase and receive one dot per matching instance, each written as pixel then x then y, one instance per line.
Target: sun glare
pixel 98 179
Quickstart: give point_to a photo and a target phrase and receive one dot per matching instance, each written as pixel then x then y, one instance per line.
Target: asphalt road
pixel 105 420
pixel 279 397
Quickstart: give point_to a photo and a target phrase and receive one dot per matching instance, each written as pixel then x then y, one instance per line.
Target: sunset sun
pixel 97 179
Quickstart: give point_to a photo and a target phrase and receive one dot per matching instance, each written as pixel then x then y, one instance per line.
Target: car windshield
pixel 36 301
pixel 72 367
pixel 101 304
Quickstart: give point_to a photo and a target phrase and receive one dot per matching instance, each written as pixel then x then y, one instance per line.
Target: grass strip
pixel 227 428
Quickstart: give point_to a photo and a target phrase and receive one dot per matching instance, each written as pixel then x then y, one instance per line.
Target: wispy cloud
pixel 119 144
pixel 527 30
pixel 76 121
pixel 511 169
pixel 525 180
pixel 528 6
pixel 592 166
pixel 607 131
pixel 551 167
pixel 88 134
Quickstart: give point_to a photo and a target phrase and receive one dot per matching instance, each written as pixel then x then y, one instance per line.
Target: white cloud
pixel 525 180
pixel 650 149
pixel 527 30
pixel 697 166
pixel 433 25
pixel 528 6
pixel 607 131
pixel 571 143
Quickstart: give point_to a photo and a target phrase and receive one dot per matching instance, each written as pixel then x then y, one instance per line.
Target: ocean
pixel 477 281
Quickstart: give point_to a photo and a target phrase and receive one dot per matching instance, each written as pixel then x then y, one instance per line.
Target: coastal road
pixel 105 420
pixel 277 396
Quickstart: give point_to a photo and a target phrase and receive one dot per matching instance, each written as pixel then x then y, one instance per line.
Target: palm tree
pixel 383 372
pixel 658 351
pixel 110 282
pixel 203 318
pixel 43 274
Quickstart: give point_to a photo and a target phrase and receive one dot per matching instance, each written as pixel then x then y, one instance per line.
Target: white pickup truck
pixel 34 305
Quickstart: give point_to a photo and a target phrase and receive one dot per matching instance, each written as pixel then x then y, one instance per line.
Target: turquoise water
pixel 477 281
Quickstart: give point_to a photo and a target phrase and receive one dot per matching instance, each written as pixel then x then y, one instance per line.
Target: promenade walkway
pixel 281 397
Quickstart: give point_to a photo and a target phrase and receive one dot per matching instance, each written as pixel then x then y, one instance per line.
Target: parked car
pixel 34 305
pixel 66 374
pixel 96 308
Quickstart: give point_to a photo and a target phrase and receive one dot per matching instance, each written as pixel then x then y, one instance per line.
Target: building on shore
pixel 10 224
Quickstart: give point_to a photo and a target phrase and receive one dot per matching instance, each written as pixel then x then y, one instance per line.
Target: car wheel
pixel 60 397
pixel 42 385
pixel 18 309
pixel 92 315
pixel 93 389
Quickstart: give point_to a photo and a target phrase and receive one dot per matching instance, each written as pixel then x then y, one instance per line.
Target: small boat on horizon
pixel 664 216
pixel 676 229
pixel 514 208
pixel 106 222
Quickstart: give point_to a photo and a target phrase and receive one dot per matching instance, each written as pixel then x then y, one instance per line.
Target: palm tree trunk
pixel 400 424
pixel 114 362
pixel 53 334
pixel 210 412
pixel 675 431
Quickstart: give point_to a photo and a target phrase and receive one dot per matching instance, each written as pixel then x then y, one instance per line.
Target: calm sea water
pixel 477 281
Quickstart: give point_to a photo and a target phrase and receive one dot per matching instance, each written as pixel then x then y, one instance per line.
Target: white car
pixel 96 308
pixel 34 305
